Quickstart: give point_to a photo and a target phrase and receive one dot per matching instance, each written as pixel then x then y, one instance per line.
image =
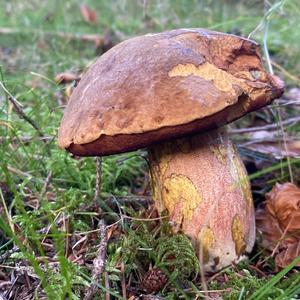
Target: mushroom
pixel 172 92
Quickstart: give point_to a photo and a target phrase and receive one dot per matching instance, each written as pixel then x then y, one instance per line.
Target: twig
pixel 123 281
pixel 120 220
pixel 107 287
pixel 27 139
pixel 18 108
pixel 266 127
pixel 285 102
pixel 21 113
pixel 99 262
pixel 258 270
pixel 250 141
pixel 94 38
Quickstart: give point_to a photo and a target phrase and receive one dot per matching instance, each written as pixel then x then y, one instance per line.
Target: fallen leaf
pixel 286 256
pixel 66 77
pixel 88 15
pixel 283 203
pixel 268 226
pixel 279 223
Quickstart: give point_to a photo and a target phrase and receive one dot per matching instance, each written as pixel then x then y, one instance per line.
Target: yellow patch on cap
pixel 222 80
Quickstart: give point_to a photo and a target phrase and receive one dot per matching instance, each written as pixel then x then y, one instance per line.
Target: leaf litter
pixel 278 222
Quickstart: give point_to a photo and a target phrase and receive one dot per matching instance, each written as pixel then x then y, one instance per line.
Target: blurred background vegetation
pixel 43 187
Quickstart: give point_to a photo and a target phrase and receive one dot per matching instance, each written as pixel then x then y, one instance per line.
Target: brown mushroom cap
pixel 161 86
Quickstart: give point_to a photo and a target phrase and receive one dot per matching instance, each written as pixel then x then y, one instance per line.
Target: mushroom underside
pixel 202 184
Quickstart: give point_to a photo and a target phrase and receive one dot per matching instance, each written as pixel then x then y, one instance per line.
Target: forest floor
pixel 51 222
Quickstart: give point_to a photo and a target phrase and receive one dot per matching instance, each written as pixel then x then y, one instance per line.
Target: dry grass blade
pixel 66 77
pixel 285 72
pixel 275 148
pixel 289 121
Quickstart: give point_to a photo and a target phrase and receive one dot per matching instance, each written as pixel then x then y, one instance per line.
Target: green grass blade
pixel 259 294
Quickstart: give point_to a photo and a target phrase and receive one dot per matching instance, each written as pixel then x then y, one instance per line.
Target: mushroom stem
pixel 202 184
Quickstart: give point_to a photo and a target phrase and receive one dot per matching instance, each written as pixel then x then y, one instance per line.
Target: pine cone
pixel 154 280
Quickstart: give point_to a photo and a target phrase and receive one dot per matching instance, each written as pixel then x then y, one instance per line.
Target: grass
pixel 43 216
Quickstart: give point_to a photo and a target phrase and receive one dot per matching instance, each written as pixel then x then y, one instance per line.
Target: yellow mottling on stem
pixel 221 79
pixel 156 189
pixel 238 235
pixel 180 189
pixel 221 152
pixel 206 240
pixel 242 181
pixel 160 158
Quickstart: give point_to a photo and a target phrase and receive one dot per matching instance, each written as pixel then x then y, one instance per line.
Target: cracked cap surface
pixel 160 86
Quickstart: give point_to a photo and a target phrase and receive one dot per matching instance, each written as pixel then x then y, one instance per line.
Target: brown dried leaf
pixel 279 223
pixel 283 203
pixel 66 77
pixel 286 256
pixel 269 227
pixel 88 15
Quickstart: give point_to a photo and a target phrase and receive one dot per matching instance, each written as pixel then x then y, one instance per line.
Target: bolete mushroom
pixel 171 92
